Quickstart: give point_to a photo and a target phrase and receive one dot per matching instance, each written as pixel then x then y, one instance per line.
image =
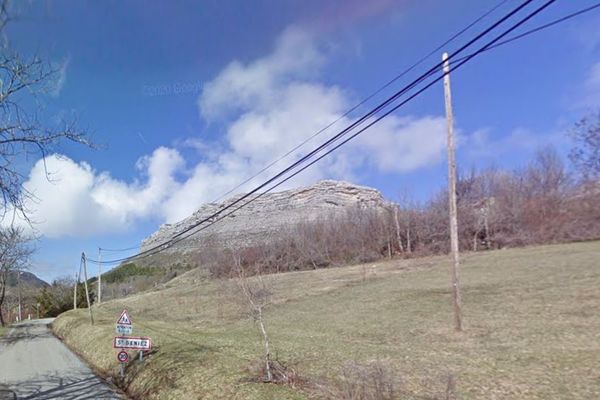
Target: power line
pixel 545 26
pixel 354 108
pixel 119 250
pixel 539 28
pixel 362 102
pixel 383 105
pixel 464 60
pixel 366 99
pixel 490 46
pixel 212 219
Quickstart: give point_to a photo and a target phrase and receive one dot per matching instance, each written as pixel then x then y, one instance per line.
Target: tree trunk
pixel 2 294
pixel 263 331
pixel 398 237
pixel 486 227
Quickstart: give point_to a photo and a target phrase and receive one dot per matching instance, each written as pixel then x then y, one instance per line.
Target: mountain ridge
pixel 259 221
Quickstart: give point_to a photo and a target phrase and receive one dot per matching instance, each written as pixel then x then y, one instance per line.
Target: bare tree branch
pixel 24 81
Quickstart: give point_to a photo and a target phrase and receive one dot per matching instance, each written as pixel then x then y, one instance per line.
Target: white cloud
pixel 404 144
pixel 266 107
pixel 270 105
pixel 257 84
pixel 73 199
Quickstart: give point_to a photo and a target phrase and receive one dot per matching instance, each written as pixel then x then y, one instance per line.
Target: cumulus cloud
pixel 402 144
pixel 257 84
pixel 71 198
pixel 273 103
pixel 265 108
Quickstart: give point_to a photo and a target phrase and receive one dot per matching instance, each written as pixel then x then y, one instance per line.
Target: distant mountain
pixel 28 280
pixel 262 220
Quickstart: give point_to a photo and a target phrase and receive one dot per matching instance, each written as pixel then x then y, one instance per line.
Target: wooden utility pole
pixel 452 198
pixel 85 279
pixel 75 289
pixel 99 275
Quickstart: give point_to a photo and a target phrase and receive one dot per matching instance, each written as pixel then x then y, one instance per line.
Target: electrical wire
pixel 352 109
pixel 538 28
pixel 175 238
pixel 366 99
pixel 464 60
pixel 212 218
pixel 119 250
pixel 501 43
pixel 493 44
pixel 545 26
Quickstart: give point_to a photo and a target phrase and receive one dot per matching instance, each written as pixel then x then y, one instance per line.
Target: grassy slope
pixel 531 319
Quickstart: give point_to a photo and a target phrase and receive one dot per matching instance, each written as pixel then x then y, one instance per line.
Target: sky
pixel 187 99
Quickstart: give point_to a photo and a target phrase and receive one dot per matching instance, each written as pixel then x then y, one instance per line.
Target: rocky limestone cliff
pixel 261 220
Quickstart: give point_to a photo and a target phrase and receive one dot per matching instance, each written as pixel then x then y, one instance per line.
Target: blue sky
pixel 189 98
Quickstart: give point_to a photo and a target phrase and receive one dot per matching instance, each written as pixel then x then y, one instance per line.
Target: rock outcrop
pixel 260 221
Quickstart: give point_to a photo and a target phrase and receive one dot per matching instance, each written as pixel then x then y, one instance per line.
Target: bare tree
pixel 24 80
pixel 15 250
pixel 256 295
pixel 585 154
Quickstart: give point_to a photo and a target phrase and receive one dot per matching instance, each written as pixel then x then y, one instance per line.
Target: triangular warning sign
pixel 124 319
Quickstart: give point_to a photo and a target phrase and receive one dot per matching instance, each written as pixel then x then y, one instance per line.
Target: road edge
pixel 109 379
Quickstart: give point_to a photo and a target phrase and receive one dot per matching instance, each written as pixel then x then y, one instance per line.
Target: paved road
pixel 34 364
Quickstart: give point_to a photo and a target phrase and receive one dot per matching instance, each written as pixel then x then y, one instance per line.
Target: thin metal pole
pixel 452 198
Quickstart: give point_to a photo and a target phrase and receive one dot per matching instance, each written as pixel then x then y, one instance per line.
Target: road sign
pixel 130 342
pixel 123 356
pixel 124 319
pixel 124 329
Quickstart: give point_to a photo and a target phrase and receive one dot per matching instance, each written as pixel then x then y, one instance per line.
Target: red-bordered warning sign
pixel 123 356
pixel 124 318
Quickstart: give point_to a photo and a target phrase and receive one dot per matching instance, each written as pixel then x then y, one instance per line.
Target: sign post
pixel 123 357
pixel 124 328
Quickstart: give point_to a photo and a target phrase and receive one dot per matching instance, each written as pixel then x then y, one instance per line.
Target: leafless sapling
pixel 257 296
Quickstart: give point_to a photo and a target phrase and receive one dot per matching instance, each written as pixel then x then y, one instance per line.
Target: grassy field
pixel 532 330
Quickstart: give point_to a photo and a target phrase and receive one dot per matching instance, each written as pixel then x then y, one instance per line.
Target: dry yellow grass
pixel 532 328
